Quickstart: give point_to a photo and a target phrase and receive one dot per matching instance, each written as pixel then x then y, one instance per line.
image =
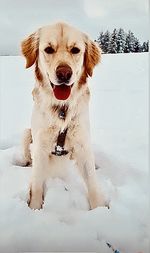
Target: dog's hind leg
pixel 26 141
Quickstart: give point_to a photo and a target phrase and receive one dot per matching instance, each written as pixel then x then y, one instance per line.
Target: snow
pixel 119 126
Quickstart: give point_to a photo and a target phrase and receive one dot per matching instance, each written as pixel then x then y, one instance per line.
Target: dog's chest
pixel 60 119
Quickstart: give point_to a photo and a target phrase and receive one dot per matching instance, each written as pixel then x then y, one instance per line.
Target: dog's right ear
pixel 92 55
pixel 29 48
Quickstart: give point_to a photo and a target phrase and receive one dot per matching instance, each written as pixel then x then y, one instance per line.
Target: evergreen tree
pixel 126 47
pixel 137 46
pixel 100 41
pixel 112 47
pixel 121 41
pixel 106 41
pixel 129 44
pixel 145 47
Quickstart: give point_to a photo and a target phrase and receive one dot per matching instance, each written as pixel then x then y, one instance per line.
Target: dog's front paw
pixel 35 202
pixel 97 200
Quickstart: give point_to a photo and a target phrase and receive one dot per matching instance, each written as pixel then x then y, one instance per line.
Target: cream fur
pixel 45 123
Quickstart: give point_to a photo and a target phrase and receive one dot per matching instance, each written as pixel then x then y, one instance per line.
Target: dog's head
pixel 64 57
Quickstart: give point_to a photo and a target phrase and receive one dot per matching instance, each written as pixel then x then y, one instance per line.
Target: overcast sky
pixel 19 18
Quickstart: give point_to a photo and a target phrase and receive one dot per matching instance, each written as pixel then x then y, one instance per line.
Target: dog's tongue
pixel 62 91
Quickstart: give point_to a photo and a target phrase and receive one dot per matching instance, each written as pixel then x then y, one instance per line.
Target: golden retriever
pixel 64 58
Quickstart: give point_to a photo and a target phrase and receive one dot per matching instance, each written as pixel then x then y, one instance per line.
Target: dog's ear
pixel 29 48
pixel 92 56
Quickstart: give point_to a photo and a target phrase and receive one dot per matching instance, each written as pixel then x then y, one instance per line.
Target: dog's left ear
pixel 92 56
pixel 29 48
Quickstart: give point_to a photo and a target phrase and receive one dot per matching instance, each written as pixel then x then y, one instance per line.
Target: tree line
pixel 120 42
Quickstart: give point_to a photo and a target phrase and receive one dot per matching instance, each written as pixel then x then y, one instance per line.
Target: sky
pixel 19 18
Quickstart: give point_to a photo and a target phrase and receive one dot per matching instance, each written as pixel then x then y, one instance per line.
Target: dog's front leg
pixel 86 164
pixel 41 161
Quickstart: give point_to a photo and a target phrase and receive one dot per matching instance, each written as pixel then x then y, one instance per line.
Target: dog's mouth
pixel 62 91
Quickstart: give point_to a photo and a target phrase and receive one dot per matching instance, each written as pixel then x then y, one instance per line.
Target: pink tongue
pixel 62 92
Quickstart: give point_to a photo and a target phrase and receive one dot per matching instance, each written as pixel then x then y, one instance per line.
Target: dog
pixel 63 59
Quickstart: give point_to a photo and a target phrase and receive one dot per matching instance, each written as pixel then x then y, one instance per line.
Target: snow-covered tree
pixel 112 47
pixel 145 46
pixel 121 40
pixel 106 41
pixel 130 41
pixel 101 41
pixel 137 46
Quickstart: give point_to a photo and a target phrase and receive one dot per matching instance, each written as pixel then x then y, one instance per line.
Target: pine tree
pixel 106 41
pixel 145 46
pixel 112 47
pixel 137 46
pixel 130 41
pixel 100 41
pixel 121 40
pixel 126 47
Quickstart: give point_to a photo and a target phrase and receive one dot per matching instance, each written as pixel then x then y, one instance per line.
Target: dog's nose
pixel 63 73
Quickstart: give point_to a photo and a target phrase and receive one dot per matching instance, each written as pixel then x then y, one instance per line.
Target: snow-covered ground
pixel 119 124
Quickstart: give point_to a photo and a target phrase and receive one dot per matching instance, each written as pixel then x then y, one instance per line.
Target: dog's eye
pixel 75 50
pixel 49 50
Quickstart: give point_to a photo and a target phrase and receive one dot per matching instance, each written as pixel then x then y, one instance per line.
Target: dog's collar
pixel 59 148
pixel 62 112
